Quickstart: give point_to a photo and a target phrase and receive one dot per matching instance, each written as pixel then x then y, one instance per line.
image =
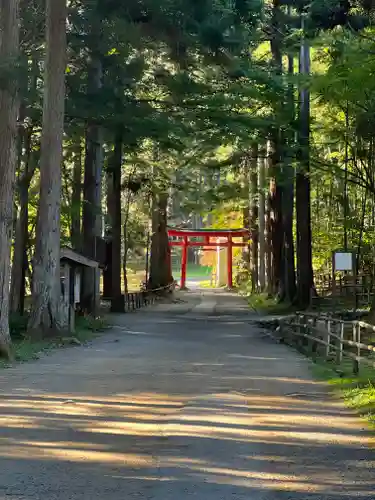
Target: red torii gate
pixel 208 239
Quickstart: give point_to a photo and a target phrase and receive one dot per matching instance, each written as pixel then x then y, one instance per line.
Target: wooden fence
pixel 137 300
pixel 320 336
pixel 343 291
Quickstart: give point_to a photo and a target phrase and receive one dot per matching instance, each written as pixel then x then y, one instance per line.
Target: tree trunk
pixel 92 225
pixel 117 302
pixel 128 199
pixel 107 272
pixel 303 203
pixel 246 216
pixel 254 217
pixel 269 261
pixel 275 159
pixel 276 227
pixel 160 273
pixel 20 259
pixel 153 281
pixel 288 199
pixel 125 259
pixel 288 243
pixel 246 225
pixel 75 231
pixel 9 48
pixel 30 160
pixel 261 204
pixel 44 314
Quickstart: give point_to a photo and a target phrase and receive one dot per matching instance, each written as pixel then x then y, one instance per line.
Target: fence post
pixel 297 340
pixel 328 339
pixel 314 344
pixel 309 331
pixel 358 347
pixel 355 361
pixel 339 351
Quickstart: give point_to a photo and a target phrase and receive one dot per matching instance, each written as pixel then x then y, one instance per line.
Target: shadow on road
pixel 171 409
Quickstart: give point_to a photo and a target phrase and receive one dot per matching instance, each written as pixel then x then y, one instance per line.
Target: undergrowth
pixel 264 304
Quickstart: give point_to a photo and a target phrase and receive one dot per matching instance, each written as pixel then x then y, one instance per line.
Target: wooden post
pixel 309 331
pixel 339 351
pixel 230 262
pixel 358 347
pixel 298 340
pixel 355 361
pixel 314 344
pixel 184 263
pixel 328 339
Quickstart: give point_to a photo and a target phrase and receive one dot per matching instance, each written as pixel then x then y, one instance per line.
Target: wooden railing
pixel 321 336
pixel 137 300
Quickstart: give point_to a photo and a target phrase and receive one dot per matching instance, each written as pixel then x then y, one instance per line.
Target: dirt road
pixel 179 402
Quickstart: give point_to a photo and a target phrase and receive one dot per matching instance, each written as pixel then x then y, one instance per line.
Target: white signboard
pixel 343 261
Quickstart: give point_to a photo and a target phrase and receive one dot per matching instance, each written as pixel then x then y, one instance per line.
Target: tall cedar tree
pixel 9 49
pixel 46 290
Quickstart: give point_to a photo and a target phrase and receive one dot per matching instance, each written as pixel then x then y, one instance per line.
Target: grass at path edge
pixel 358 392
pixel 25 349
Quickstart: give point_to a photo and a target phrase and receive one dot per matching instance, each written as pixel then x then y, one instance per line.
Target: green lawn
pixel 193 271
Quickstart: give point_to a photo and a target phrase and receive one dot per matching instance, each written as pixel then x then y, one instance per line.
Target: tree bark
pixel 261 203
pixel 288 199
pixel 46 294
pixel 117 302
pixel 275 226
pixel 107 272
pixel 254 217
pixel 20 259
pixel 246 215
pixel 303 203
pixel 9 51
pixel 30 159
pixel 75 231
pixel 92 225
pixel 160 273
pixel 153 281
pixel 128 199
pixel 275 160
pixel 269 262
pixel 246 225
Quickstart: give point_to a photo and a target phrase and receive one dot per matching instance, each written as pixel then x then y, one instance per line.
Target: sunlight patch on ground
pixel 144 430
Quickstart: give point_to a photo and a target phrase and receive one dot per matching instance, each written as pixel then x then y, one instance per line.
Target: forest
pixel 117 116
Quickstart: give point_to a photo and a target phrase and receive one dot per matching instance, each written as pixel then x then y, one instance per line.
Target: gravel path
pixel 181 401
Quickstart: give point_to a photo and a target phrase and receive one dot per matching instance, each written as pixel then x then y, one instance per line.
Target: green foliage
pixel 193 85
pixel 265 305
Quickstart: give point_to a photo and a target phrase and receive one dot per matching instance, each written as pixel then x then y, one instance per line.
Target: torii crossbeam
pixel 207 238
